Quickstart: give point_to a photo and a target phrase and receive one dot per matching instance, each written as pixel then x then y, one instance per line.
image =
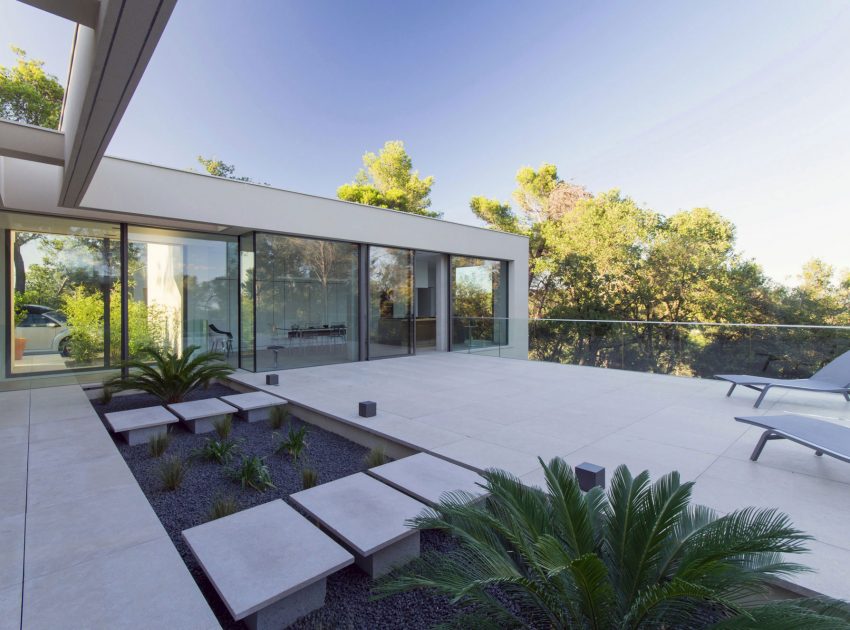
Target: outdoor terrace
pixel 485 412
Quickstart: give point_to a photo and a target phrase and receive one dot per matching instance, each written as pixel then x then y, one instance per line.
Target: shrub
pixel 171 471
pixel 157 444
pixel 84 311
pixel 223 506
pixel 219 451
pixel 638 556
pixel 223 427
pixel 309 477
pixel 278 416
pixel 375 457
pixel 173 375
pixel 294 443
pixel 253 472
pixel 106 395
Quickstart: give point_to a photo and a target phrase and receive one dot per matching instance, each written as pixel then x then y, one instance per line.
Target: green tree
pixel 219 168
pixel 387 180
pixel 637 556
pixel 28 94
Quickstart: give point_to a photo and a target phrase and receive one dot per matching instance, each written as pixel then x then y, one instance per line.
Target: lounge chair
pixel 825 438
pixel 834 377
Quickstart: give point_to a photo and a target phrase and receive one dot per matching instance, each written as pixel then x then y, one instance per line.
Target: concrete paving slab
pixel 368 517
pixel 10 607
pixel 259 556
pixel 200 416
pixel 137 426
pixel 427 478
pixel 254 406
pixel 11 549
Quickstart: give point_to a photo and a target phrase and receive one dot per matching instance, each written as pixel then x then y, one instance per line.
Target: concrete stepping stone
pixel 268 564
pixel 137 426
pixel 200 416
pixel 427 478
pixel 368 517
pixel 254 406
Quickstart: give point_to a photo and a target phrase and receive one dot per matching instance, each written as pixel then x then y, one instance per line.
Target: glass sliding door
pixel 390 302
pixel 429 282
pixel 479 290
pixel 306 302
pixel 247 356
pixel 63 294
pixel 183 291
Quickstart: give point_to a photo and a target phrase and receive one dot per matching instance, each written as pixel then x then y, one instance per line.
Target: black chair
pixel 220 340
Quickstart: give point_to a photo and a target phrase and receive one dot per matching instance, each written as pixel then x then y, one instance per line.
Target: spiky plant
pixel 309 477
pixel 224 426
pixel 253 472
pixel 169 375
pixel 294 443
pixel 172 470
pixel 639 556
pixel 219 451
pixel 277 417
pixel 157 444
pixel 223 505
pixel 375 457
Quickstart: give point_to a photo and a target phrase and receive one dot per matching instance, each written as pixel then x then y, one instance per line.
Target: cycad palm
pixel 171 375
pixel 638 556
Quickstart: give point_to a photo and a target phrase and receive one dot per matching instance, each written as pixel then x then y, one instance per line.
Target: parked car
pixel 45 329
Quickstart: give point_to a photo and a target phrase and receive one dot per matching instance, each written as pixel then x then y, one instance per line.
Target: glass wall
pixel 62 294
pixel 479 290
pixel 390 301
pixel 246 302
pixel 306 302
pixel 183 291
pixel 429 316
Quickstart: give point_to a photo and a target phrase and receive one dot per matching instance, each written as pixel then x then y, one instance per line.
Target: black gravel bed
pixel 121 402
pixel 349 599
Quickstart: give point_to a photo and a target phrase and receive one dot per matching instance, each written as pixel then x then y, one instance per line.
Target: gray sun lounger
pixel 825 438
pixel 834 377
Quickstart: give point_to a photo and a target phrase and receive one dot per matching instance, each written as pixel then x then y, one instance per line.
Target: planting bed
pixel 348 598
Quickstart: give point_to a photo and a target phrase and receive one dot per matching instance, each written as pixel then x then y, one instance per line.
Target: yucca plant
pixel 639 556
pixel 172 471
pixel 294 443
pixel 219 451
pixel 171 375
pixel 309 477
pixel 277 417
pixel 254 473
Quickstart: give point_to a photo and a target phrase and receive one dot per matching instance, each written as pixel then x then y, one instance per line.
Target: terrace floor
pixel 490 412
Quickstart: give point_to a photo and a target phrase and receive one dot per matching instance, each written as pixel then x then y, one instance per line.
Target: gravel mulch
pixel 348 603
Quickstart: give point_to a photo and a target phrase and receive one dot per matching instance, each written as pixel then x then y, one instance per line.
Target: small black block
pixel 590 475
pixel 368 408
pixel 272 379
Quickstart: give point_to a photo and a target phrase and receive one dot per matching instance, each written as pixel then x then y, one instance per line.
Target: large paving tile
pixel 829 570
pixel 13 479
pixel 88 427
pixel 63 534
pixel 71 450
pixel 11 549
pixel 78 481
pixel 480 456
pixel 143 586
pixel 412 433
pixel 536 444
pixel 458 421
pixel 10 607
pixel 16 408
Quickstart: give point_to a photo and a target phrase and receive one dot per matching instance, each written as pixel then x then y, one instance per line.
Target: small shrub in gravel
pixel 223 427
pixel 106 395
pixel 278 416
pixel 171 471
pixel 157 444
pixel 253 472
pixel 309 477
pixel 294 443
pixel 375 457
pixel 218 451
pixel 223 506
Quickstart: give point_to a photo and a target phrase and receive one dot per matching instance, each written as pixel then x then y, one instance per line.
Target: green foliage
pixel 214 166
pixel 84 310
pixel 28 94
pixel 172 470
pixel 253 472
pixel 106 395
pixel 375 457
pixel 294 443
pixel 309 478
pixel 157 444
pixel 277 417
pixel 173 375
pixel 639 556
pixel 387 180
pixel 20 312
pixel 223 505
pixel 224 426
pixel 219 451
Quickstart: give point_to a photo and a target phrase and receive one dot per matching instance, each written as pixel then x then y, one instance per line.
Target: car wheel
pixel 65 347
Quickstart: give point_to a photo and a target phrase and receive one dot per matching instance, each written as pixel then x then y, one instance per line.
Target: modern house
pixel 145 254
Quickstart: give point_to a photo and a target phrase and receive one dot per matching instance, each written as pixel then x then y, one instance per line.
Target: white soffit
pixel 26 142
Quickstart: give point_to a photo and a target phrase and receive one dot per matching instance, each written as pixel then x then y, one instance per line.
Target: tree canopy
pixel 387 180
pixel 28 94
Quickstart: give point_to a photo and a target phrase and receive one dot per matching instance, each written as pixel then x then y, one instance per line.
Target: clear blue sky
pixel 739 105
